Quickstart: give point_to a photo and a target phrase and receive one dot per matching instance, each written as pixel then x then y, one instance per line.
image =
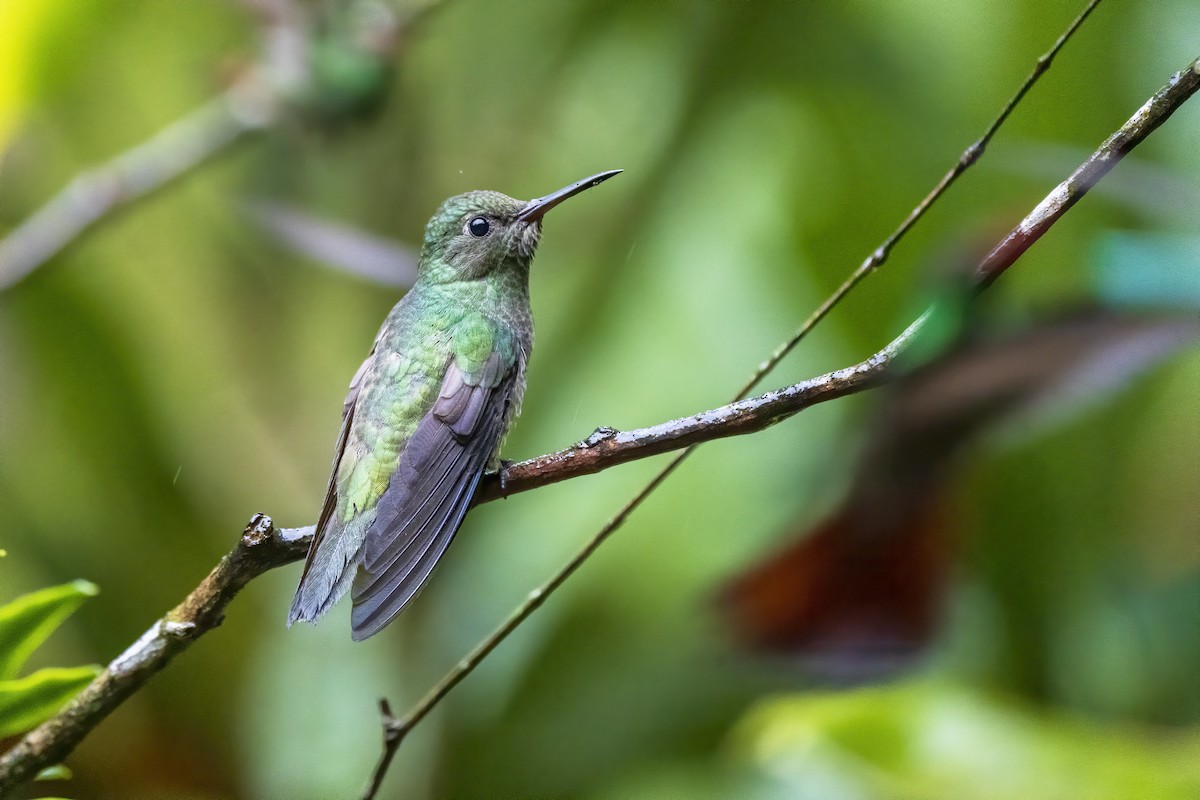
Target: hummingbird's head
pixel 475 234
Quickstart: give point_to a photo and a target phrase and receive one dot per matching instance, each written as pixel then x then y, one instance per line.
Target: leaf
pixel 27 621
pixel 58 772
pixel 26 702
pixel 942 742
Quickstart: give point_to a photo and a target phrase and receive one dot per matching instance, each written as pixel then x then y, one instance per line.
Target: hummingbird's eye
pixel 479 226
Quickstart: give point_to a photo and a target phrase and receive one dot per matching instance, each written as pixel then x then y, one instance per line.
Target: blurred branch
pixel 169 154
pixel 263 547
pixel 285 77
pixel 386 262
pixel 1145 120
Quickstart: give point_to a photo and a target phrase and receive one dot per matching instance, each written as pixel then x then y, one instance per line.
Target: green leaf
pixel 939 742
pixel 27 621
pixel 58 772
pixel 28 701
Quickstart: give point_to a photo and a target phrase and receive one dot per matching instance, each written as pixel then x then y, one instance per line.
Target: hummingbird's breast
pixel 427 330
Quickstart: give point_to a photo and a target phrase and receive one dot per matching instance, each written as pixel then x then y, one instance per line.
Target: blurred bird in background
pixel 859 595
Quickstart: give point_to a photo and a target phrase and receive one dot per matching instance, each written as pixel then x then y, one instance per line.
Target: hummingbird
pixel 428 409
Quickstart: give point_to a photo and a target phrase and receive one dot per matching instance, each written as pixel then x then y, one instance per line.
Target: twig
pixel 774 407
pixel 263 547
pixel 880 255
pixel 1145 120
pixel 607 447
pixel 391 741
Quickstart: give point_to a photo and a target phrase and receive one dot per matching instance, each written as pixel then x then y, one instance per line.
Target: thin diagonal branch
pixel 391 741
pixel 1145 120
pixel 880 254
pixel 264 547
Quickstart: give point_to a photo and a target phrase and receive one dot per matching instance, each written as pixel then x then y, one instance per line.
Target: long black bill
pixel 538 208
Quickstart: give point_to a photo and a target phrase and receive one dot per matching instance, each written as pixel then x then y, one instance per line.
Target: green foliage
pixel 58 772
pixel 938 742
pixel 26 702
pixel 29 620
pixel 24 624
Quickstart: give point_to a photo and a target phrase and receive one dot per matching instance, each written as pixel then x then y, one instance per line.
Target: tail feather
pixel 331 569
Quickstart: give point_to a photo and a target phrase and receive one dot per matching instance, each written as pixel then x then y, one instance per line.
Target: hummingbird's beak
pixel 536 209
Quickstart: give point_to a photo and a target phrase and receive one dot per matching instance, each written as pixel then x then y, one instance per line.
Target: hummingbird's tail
pixel 330 570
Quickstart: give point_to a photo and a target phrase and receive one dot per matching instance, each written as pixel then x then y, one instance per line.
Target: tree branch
pixel 1157 110
pixel 608 447
pixel 263 547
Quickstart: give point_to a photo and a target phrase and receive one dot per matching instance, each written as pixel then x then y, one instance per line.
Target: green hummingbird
pixel 428 409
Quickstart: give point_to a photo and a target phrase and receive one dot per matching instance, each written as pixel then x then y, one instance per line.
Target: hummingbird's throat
pixel 526 238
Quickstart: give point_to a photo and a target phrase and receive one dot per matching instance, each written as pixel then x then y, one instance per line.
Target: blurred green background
pixel 177 370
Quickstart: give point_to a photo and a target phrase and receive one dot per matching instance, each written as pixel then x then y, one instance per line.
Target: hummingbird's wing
pixel 431 489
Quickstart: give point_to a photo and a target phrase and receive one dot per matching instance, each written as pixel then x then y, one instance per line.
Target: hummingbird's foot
pixel 502 473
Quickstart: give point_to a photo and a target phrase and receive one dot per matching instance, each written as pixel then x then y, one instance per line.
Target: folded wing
pixel 431 490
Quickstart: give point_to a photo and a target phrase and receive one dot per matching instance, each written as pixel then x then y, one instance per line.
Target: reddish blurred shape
pixel 860 597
